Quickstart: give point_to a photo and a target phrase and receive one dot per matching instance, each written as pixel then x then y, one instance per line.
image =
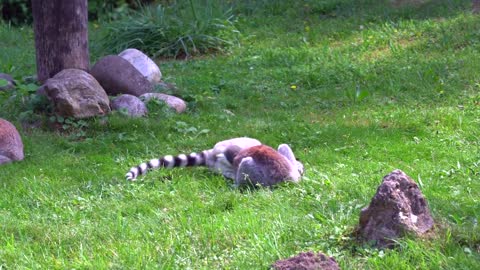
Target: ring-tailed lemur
pixel 262 165
pixel 244 160
pixel 213 158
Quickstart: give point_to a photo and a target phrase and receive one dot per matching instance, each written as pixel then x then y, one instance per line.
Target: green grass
pixel 181 30
pixel 377 88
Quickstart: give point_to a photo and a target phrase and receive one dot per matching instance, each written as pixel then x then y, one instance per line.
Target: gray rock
pixel 143 64
pixel 11 146
pixel 173 102
pixel 132 104
pixel 397 208
pixel 307 261
pixel 75 93
pixel 118 76
pixel 10 83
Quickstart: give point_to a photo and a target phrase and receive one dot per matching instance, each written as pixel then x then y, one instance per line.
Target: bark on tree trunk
pixel 61 36
pixel 476 6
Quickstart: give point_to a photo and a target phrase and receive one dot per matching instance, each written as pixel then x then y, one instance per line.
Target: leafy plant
pixel 16 11
pixel 24 103
pixel 76 128
pixel 186 129
pixel 3 82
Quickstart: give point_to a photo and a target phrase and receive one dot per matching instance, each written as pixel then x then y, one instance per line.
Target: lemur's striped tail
pixel 169 161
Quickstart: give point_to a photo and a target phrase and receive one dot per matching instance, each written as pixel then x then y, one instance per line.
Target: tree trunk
pixel 61 36
pixel 476 6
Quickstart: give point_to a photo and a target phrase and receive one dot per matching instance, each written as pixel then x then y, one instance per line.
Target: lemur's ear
pixel 231 152
pixel 287 152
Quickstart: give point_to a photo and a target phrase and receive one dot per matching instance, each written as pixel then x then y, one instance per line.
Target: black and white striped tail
pixel 169 161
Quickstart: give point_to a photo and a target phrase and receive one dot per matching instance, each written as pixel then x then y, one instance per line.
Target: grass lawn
pixel 357 88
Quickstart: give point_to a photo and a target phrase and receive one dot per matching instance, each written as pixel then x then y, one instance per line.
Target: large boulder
pixel 143 64
pixel 307 261
pixel 11 146
pixel 118 76
pixel 397 208
pixel 6 82
pixel 133 105
pixel 75 93
pixel 173 102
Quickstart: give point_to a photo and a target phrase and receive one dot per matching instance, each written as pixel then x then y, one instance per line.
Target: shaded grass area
pixel 375 88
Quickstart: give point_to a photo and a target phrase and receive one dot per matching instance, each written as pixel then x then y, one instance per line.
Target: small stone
pixel 132 104
pixel 117 76
pixel 11 146
pixel 6 82
pixel 75 93
pixel 307 261
pixel 143 64
pixel 397 208
pixel 173 102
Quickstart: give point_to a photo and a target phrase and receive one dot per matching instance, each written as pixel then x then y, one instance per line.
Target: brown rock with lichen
pixel 397 208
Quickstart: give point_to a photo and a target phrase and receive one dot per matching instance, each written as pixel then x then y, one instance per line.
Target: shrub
pixel 19 12
pixel 16 11
pixel 179 30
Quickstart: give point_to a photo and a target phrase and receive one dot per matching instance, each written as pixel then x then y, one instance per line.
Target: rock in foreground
pixel 307 261
pixel 397 208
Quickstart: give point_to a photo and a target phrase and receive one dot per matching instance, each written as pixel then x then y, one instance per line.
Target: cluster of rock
pixel 398 208
pixel 126 78
pixel 116 82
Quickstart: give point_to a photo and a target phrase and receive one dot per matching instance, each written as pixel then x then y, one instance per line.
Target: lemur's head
pixel 299 166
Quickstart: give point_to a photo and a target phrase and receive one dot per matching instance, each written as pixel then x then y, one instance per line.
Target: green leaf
pixel 360 94
pixel 31 88
pixel 3 82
